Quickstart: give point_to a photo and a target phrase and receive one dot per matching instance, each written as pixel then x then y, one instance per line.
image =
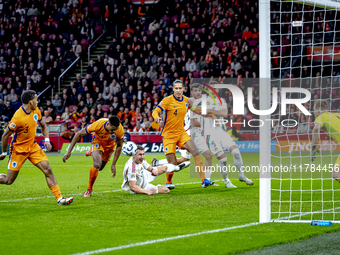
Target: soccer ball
pixel 129 149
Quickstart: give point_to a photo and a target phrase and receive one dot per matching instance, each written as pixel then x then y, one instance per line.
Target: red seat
pixel 149 33
pixel 253 43
pixel 155 82
pixel 98 30
pixel 6 79
pixel 173 18
pixel 106 107
pixel 96 11
pixel 50 36
pixel 71 107
pixel 55 22
pixel 220 44
pixel 84 44
pixel 189 30
pixel 166 18
pixel 200 31
pixel 196 74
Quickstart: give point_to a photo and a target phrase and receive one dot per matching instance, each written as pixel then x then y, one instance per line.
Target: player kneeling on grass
pixel 24 126
pixel 330 124
pixel 138 173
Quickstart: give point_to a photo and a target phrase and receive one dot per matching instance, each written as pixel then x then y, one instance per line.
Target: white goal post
pixel 306 42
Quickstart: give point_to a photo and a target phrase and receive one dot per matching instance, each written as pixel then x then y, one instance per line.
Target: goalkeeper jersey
pixel 331 122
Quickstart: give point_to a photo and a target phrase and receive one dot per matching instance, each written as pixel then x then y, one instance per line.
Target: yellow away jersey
pixel 99 128
pixel 25 126
pixel 174 111
pixel 331 122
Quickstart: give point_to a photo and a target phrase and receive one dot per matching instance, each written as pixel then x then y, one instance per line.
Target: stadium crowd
pixel 190 40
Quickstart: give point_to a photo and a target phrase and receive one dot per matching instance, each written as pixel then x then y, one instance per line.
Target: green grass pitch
pixel 111 218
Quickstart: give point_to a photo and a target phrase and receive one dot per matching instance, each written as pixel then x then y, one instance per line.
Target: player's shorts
pixel 169 144
pixel 148 187
pixel 200 142
pixel 16 159
pixel 220 142
pixel 107 151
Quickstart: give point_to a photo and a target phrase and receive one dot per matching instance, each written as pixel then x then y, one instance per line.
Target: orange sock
pixel 200 167
pixel 169 177
pixel 338 180
pixel 56 191
pixel 93 176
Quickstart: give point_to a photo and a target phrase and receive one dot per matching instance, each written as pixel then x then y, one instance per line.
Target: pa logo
pixel 35 117
pixel 186 105
pixel 96 146
pixel 14 164
pixel 166 149
pixel 113 136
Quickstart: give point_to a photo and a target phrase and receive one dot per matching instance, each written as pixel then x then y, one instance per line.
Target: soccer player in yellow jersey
pixel 330 124
pixel 174 108
pixel 107 131
pixel 24 125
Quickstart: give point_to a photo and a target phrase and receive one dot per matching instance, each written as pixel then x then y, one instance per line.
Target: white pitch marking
pixel 79 194
pixel 121 247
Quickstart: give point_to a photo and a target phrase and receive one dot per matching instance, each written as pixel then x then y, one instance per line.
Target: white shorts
pixel 199 142
pixel 220 142
pixel 148 187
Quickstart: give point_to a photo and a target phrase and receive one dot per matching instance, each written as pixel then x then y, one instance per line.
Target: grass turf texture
pixel 110 219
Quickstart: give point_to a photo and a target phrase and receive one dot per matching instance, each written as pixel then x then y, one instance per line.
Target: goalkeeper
pixel 330 124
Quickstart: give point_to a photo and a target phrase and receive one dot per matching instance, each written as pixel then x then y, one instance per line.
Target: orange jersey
pixel 106 139
pixel 25 126
pixel 174 111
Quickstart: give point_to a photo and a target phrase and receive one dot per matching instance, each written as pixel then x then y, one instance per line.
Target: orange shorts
pixel 16 159
pixel 169 144
pixel 107 151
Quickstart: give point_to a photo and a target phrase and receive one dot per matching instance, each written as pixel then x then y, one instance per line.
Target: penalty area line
pixel 79 194
pixel 121 247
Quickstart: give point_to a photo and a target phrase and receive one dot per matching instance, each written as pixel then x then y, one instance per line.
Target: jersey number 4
pixel 175 113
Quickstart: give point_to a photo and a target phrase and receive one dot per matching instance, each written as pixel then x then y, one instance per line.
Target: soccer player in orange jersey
pixel 24 125
pixel 174 108
pixel 107 131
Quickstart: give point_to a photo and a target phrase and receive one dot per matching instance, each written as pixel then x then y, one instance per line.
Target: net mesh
pixel 305 53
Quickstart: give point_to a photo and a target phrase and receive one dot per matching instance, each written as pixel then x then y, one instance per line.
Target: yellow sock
pixel 56 191
pixel 93 176
pixel 200 166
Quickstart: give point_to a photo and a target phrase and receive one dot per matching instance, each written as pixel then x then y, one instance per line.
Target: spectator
pixel 190 65
pixel 47 118
pixel 77 49
pixel 56 101
pixel 138 129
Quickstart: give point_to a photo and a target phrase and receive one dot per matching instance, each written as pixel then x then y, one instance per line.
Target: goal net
pixel 304 53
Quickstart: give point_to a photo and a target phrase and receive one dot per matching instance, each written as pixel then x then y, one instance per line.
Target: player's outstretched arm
pixel 139 190
pixel 155 114
pixel 315 139
pixel 4 143
pixel 75 139
pixel 44 130
pixel 118 150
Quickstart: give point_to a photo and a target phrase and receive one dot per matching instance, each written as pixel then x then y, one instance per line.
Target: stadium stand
pixel 132 70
